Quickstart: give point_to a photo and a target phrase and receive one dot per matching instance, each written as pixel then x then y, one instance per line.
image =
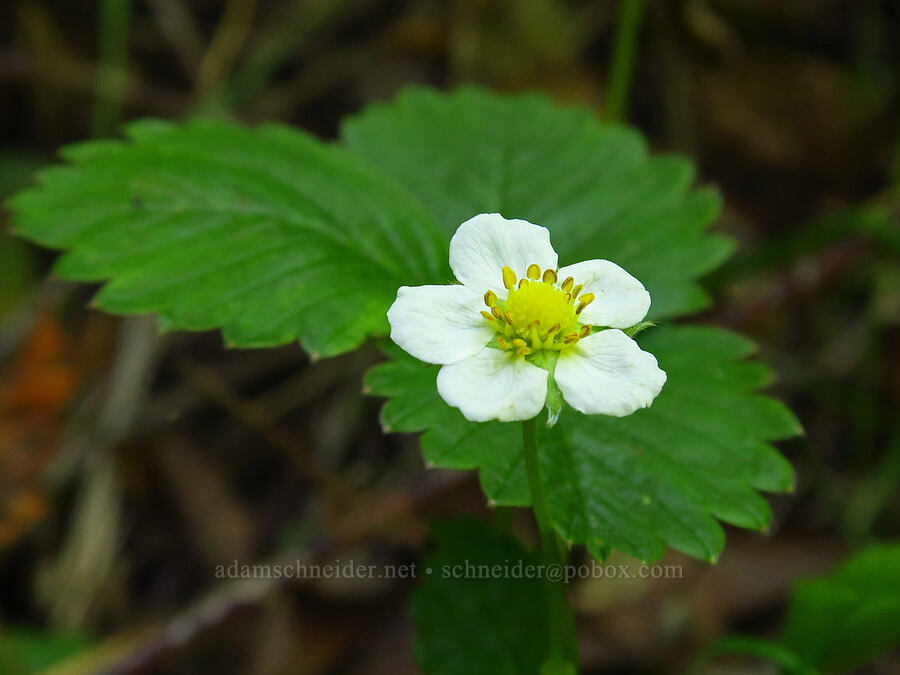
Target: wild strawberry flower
pixel 518 330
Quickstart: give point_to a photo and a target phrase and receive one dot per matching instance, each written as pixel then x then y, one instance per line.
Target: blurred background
pixel 132 464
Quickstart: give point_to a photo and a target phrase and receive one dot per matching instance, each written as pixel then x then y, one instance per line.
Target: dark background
pixel 131 465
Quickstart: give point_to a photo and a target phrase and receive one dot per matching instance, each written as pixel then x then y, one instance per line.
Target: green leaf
pixel 763 649
pixel 836 623
pixel 18 267
pixel 658 478
pixel 593 185
pixel 18 270
pixel 24 650
pixel 16 169
pixel 266 233
pixel 664 475
pixel 472 621
pixel 840 622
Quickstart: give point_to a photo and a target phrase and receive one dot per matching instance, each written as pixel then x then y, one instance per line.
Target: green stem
pixel 225 47
pixel 628 23
pixel 538 499
pixel 551 545
pixel 115 15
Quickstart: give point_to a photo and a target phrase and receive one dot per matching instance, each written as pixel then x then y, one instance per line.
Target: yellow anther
pixel 509 277
pixel 538 314
pixel 577 290
pixel 584 301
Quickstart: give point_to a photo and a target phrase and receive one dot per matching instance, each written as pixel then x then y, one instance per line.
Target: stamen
pixel 509 277
pixel 585 301
pixel 539 312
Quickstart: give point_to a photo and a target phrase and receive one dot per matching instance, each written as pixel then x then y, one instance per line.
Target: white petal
pixel 494 385
pixel 482 246
pixel 620 301
pixel 439 324
pixel 608 374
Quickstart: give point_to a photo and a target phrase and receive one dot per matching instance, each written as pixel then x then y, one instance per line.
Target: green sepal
pixel 547 359
pixel 638 328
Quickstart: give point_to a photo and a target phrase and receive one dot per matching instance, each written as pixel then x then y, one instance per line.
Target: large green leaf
pixel 662 476
pixel 477 613
pixel 268 234
pixel 593 185
pixel 840 622
pixel 659 477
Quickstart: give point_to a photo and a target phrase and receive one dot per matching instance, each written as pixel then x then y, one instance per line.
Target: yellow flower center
pixel 541 304
pixel 539 313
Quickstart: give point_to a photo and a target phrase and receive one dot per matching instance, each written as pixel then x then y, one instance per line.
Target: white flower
pixel 517 323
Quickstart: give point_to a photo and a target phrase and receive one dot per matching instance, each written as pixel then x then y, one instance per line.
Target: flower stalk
pixel 554 551
pixel 549 543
